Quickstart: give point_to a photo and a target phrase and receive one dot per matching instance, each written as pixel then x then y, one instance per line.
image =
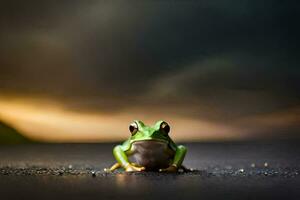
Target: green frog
pixel 149 148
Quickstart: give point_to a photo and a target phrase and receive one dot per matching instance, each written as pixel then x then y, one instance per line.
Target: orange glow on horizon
pixel 48 121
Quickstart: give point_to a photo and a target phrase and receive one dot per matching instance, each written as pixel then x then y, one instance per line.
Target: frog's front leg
pixel 122 159
pixel 177 161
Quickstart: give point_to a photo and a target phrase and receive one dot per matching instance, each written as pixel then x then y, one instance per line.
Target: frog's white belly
pixel 151 154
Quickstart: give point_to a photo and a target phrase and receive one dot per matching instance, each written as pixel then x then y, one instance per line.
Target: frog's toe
pixel 171 169
pixel 112 168
pixel 132 168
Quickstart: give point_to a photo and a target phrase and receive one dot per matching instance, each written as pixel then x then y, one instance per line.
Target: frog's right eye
pixel 133 128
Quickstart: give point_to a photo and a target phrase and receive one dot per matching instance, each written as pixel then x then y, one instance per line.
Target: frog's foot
pixel 133 167
pixel 172 168
pixel 113 168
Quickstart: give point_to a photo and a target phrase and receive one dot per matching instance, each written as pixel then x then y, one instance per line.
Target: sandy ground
pixel 244 170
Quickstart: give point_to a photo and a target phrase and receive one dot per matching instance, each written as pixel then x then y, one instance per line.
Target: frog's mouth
pixel 158 140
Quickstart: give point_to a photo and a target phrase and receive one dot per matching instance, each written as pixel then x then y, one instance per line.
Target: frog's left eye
pixel 133 128
pixel 164 126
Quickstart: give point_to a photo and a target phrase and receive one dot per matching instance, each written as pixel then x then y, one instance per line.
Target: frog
pixel 149 148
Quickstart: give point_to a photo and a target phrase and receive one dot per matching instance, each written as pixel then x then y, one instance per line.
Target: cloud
pixel 202 60
pixel 225 88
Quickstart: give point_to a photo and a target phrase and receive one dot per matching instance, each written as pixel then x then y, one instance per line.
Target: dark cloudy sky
pixel 218 61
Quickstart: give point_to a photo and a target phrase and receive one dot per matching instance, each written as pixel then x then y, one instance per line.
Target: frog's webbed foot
pixel 133 167
pixel 172 169
pixel 113 168
pixel 129 168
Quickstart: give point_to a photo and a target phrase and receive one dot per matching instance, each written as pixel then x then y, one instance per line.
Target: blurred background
pixel 82 71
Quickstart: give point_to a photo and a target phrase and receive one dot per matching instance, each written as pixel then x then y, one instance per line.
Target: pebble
pixel 266 164
pixel 192 169
pixel 228 167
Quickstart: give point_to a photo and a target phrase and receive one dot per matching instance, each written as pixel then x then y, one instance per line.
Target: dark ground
pixel 252 170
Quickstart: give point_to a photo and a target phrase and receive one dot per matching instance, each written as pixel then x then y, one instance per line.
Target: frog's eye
pixel 133 128
pixel 164 126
